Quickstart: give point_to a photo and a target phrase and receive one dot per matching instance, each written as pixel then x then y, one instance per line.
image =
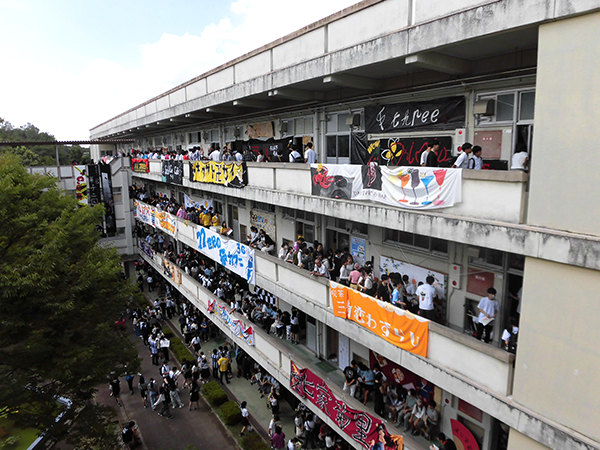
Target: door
pixel 343 351
pixel 338 149
pixel 234 223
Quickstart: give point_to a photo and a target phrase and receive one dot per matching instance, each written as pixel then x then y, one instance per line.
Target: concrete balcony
pixel 492 195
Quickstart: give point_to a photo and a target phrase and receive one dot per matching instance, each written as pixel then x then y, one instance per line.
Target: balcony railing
pixel 486 194
pixel 448 350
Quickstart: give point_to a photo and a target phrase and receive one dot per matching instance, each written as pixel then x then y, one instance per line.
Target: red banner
pixel 140 165
pixel 359 425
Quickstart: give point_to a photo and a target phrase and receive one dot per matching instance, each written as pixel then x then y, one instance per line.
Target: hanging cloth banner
pixel 360 426
pixel 235 325
pixel 140 165
pixel 230 174
pixel 405 187
pixel 400 328
pixel 172 171
pixel 232 255
pixel 146 248
pixel 144 212
pixel 81 184
pixel 198 204
pixel 172 271
pixel 166 222
pixel 440 114
pixel 399 151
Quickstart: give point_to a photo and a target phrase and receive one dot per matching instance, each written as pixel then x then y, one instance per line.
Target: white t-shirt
pixel 462 162
pixel 245 412
pixel 322 270
pixel 517 160
pixel 294 155
pixel 311 156
pixel 424 156
pixel 215 155
pixel 426 294
pixel 491 307
pixel 506 334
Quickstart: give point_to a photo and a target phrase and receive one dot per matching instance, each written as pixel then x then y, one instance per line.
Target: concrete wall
pixel 558 360
pixel 519 441
pixel 564 187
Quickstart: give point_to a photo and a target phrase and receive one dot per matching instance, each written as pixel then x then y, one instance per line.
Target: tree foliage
pixel 61 292
pixel 39 155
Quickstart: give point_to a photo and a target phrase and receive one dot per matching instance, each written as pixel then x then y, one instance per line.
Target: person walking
pixel 194 395
pixel 223 369
pixel 245 417
pixel 143 388
pixel 163 400
pixel 115 390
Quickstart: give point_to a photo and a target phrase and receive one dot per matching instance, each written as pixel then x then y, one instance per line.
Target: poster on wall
pixel 394 372
pixel 415 274
pixel 405 187
pixel 359 250
pixel 440 114
pixel 264 221
pixel 81 185
pixel 260 130
pixel 229 174
pixel 172 171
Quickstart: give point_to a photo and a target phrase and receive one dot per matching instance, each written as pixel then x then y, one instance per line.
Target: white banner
pixel 165 222
pixel 143 212
pixel 235 325
pixel 200 204
pixel 415 274
pixel 406 187
pixel 232 255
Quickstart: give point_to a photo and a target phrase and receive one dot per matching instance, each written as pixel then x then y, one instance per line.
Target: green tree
pixel 61 293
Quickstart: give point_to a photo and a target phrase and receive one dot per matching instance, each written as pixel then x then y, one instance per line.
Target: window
pixel 338 146
pixel 505 107
pixel 263 206
pixel 486 257
pixel 527 106
pixel 418 241
pixel 214 136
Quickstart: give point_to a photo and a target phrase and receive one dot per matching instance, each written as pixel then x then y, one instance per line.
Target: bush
pixel 168 333
pixel 214 393
pixel 180 350
pixel 230 413
pixel 253 441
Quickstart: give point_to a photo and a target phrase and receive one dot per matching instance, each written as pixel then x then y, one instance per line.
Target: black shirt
pixel 432 160
pixel 448 445
pixel 383 293
pixel 350 373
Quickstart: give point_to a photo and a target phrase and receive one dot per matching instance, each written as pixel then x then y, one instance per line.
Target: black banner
pixel 140 165
pixel 94 194
pixel 397 151
pixel 172 171
pixel 109 203
pixel 441 114
pixel 270 147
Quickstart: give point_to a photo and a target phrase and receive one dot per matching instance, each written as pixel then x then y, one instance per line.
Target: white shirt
pixel 322 270
pixel 426 293
pixel 238 156
pixel 506 334
pixel 215 156
pixel 491 307
pixel 517 160
pixel 245 412
pixel 462 162
pixel 476 162
pixel 311 156
pixel 294 155
pixel 424 156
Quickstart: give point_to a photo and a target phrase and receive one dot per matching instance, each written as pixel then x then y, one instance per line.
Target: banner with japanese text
pixel 140 165
pixel 235 325
pixel 146 248
pixel 360 426
pixel 230 174
pixel 166 222
pixel 81 185
pixel 172 171
pixel 144 212
pixel 399 327
pixel 232 255
pixel 406 187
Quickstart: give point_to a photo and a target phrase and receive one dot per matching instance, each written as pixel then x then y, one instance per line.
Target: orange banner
pixel 399 327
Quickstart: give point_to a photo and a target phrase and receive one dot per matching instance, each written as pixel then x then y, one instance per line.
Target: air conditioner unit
pixel 485 107
pixel 353 120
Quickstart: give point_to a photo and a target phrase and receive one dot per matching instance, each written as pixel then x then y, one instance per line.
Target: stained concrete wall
pixel 565 181
pixel 519 441
pixel 558 362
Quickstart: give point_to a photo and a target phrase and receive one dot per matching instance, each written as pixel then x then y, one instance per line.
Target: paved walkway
pixel 199 429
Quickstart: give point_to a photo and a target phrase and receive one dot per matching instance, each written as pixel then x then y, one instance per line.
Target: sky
pixel 69 65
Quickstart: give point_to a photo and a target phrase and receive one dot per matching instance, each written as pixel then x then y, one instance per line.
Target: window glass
pixel 332 124
pixel 405 238
pixel 390 235
pixel 309 233
pixel 308 125
pixel 331 146
pixel 516 262
pixel 505 107
pixel 344 146
pixel 214 135
pixel 299 127
pixel 527 106
pixel 494 257
pixel 439 245
pixel 342 122
pixel 309 216
pixel 422 241
pixel 360 228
